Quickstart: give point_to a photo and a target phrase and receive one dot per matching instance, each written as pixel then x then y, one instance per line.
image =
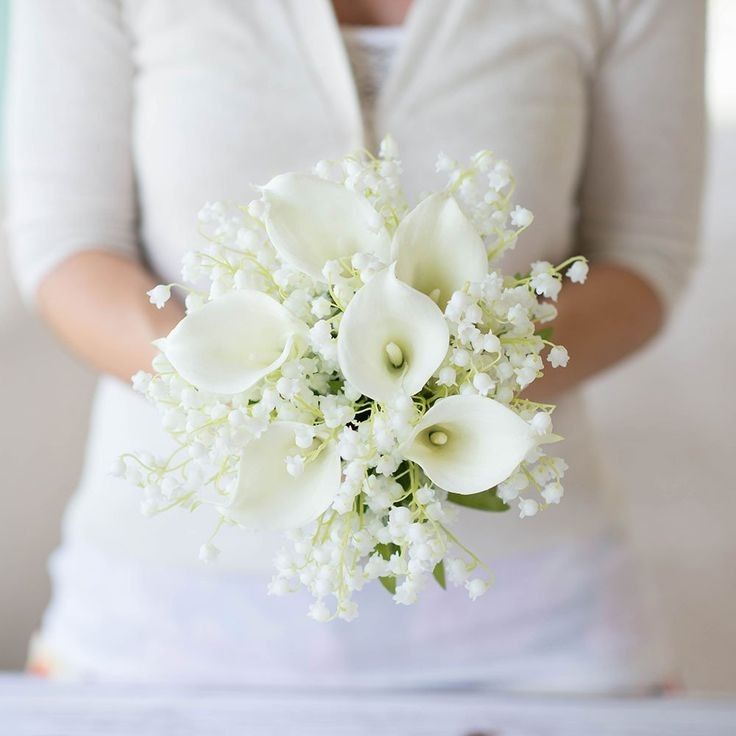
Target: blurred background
pixel 665 419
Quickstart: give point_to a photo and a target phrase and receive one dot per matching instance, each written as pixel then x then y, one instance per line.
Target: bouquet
pixel 350 370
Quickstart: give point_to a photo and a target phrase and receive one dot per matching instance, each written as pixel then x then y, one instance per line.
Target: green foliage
pixel 439 574
pixel 483 501
pixel 402 475
pixel 386 550
pixel 389 583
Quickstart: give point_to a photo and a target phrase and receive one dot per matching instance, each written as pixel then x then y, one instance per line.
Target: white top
pixel 371 51
pixel 125 117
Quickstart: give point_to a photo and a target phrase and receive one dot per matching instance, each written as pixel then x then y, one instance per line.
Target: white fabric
pixel 601 97
pixel 563 619
pixel 126 110
pixel 371 50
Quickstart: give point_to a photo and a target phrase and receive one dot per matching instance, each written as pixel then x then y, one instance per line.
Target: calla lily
pixel 467 444
pixel 232 342
pixel 311 221
pixel 437 250
pixel 391 339
pixel 267 498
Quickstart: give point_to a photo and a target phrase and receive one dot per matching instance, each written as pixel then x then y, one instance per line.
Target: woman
pixel 126 116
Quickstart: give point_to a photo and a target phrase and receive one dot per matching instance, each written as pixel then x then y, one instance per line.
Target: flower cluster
pixel 349 371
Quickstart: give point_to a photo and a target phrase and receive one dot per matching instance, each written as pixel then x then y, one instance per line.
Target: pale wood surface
pixel 31 707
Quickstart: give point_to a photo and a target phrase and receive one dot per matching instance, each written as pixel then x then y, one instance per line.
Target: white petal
pixel 267 497
pixel 311 221
pixel 485 441
pixel 232 342
pixel 384 317
pixel 437 250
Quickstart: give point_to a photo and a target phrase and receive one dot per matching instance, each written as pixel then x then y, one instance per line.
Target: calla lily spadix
pixel 391 339
pixel 232 342
pixel 468 444
pixel 437 250
pixel 311 221
pixel 269 498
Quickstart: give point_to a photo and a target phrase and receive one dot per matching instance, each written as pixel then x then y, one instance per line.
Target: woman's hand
pixel 600 323
pixel 96 302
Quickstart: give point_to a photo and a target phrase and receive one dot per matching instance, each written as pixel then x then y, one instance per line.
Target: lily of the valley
pixel 310 221
pixel 468 444
pixel 268 497
pixel 392 338
pixel 230 343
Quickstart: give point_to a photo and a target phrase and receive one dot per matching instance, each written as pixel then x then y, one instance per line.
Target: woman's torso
pixel 228 94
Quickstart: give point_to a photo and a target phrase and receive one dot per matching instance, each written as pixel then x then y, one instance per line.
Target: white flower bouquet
pixel 349 370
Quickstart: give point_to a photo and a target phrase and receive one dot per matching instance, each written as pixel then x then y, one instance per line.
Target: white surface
pixel 35 708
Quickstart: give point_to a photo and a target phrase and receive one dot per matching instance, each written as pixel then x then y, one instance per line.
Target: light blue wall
pixel 3 46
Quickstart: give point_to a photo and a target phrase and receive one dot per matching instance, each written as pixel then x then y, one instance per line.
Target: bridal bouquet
pixel 350 370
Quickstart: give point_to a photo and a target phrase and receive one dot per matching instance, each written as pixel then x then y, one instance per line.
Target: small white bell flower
pixel 558 357
pixel 521 217
pixel 483 383
pixel 159 295
pixel 447 376
pixel 541 423
pixel 527 507
pixel 208 553
pixel 553 492
pixel 476 588
pixel 319 611
pixel 578 272
pixel 294 465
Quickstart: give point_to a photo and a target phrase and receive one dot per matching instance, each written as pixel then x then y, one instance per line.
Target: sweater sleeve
pixel 70 184
pixel 640 196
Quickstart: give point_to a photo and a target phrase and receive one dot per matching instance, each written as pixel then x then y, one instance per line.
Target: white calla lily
pixel 468 444
pixel 437 250
pixel 267 497
pixel 311 221
pixel 230 343
pixel 391 338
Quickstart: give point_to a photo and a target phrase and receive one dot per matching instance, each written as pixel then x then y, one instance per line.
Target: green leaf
pixel 386 550
pixel 545 333
pixel 483 501
pixel 389 583
pixel 439 574
pixel 402 476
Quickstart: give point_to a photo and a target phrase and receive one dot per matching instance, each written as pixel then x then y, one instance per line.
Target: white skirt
pixel 131 602
pixel 560 620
